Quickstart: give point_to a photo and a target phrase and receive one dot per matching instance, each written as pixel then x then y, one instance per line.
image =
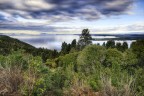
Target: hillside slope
pixel 8 44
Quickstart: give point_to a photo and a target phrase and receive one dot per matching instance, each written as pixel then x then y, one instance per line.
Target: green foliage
pixel 119 46
pixel 104 44
pixel 114 58
pixel 125 46
pixel 138 48
pixel 43 84
pixel 65 48
pixel 85 39
pixel 129 58
pixel 51 63
pixel 115 71
pixel 130 61
pixel 17 58
pixel 122 47
pixel 69 59
pixel 91 58
pixel 2 61
pixel 139 81
pixel 110 44
pixel 74 44
pixel 8 45
pixel 94 82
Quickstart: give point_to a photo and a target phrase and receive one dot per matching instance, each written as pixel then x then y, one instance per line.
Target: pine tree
pixel 110 44
pixel 85 39
pixel 125 46
pixel 73 43
pixel 64 48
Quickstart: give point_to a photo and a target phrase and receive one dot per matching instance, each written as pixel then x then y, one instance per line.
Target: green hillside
pixel 8 45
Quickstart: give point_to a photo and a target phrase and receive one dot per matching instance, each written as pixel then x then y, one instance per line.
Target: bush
pixel 11 79
pixel 91 58
pixel 124 88
pixel 69 59
pixel 139 81
pixel 113 58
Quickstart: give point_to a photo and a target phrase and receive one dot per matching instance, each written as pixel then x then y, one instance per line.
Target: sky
pixel 38 22
pixel 40 17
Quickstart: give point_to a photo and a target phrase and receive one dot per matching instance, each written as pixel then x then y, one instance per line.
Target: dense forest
pixel 79 69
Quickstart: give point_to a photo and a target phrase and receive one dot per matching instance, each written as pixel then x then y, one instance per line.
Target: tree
pixel 55 53
pixel 124 46
pixel 68 48
pixel 85 39
pixel 138 48
pixel 130 61
pixel 119 46
pixel 104 44
pixel 73 43
pixel 98 44
pixel 114 58
pixel 110 44
pixel 64 48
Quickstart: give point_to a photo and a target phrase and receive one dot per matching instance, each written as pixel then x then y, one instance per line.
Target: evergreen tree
pixel 73 43
pixel 68 48
pixel 98 44
pixel 104 44
pixel 125 46
pixel 55 54
pixel 119 46
pixel 85 39
pixel 64 48
pixel 138 48
pixel 110 44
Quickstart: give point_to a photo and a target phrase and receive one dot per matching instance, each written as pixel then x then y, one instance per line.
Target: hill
pixel 8 45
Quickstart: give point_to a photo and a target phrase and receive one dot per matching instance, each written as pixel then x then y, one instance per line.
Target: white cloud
pixel 28 4
pixel 28 32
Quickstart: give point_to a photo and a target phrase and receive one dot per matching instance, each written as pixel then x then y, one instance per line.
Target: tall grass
pixel 124 87
pixel 10 81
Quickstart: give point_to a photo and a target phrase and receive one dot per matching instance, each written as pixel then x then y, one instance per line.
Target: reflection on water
pixel 101 37
pixel 47 41
pixel 55 41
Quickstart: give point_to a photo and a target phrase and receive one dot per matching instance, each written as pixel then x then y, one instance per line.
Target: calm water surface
pixel 55 41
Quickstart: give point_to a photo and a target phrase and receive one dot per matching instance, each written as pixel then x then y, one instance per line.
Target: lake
pixel 55 41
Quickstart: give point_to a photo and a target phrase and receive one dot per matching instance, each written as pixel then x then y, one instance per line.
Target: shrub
pixel 91 59
pixel 124 86
pixel 139 81
pixel 11 80
pixel 69 59
pixel 113 58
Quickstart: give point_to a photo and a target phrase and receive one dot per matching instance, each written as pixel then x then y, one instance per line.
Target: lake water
pixel 55 41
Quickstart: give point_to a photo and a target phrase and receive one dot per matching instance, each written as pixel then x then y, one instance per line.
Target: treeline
pixel 8 45
pixel 86 39
pixel 80 69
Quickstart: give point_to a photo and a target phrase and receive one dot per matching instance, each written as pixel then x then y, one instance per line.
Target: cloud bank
pixel 38 17
pixel 57 10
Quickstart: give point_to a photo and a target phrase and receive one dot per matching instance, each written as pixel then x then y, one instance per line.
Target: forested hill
pixel 8 45
pixel 13 41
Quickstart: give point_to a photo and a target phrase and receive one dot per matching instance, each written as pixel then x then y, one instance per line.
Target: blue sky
pixel 38 17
